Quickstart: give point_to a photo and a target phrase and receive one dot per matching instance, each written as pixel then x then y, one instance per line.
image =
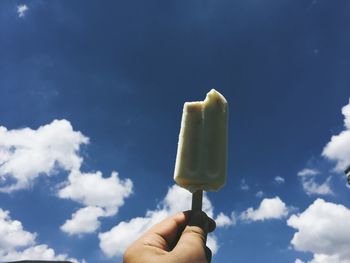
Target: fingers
pixel 167 232
pixel 192 242
pixel 169 227
pixel 201 220
pixel 181 237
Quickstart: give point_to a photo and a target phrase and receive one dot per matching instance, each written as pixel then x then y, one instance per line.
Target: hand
pixel 177 239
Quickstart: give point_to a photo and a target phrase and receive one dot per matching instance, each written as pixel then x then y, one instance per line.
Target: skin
pixel 178 239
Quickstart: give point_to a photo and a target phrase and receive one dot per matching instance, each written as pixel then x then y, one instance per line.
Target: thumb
pixel 191 245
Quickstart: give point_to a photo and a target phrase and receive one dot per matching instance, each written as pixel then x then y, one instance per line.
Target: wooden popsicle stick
pixel 197 201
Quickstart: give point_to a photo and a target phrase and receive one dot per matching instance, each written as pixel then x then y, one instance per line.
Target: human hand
pixel 177 239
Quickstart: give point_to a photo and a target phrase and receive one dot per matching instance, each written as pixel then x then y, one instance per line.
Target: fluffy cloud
pixel 223 220
pixel 115 241
pixel 178 199
pixel 26 153
pixel 259 194
pixel 323 229
pixel 338 149
pixel 279 179
pixel 22 10
pixel 346 113
pixel 39 252
pixel 12 233
pixel 102 196
pixel 321 258
pixel 19 244
pixel 91 189
pixel 308 180
pixel 307 172
pixel 85 220
pixel 269 208
pixel 310 186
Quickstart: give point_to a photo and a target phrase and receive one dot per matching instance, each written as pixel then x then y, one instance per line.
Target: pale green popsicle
pixel 201 161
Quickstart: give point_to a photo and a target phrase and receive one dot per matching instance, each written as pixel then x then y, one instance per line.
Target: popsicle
pixel 201 161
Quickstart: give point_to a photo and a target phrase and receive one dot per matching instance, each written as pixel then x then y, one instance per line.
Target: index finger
pixel 170 228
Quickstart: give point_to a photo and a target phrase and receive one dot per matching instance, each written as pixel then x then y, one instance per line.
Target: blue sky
pixel 91 98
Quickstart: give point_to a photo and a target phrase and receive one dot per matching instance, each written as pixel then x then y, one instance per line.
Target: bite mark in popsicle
pixel 201 161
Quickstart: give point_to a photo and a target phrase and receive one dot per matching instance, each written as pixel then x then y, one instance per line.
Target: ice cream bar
pixel 202 149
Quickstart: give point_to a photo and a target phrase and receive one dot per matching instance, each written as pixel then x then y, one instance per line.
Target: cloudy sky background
pixel 91 98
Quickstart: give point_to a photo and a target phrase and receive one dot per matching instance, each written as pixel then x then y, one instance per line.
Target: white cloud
pixel 223 220
pixel 39 252
pixel 212 243
pixel 12 233
pixel 92 189
pixel 321 258
pixel 102 196
pixel 298 261
pixel 22 10
pixel 324 230
pixel 244 185
pixel 115 241
pixel 338 149
pixel 26 153
pixel 346 113
pixel 307 172
pixel 259 194
pixel 85 220
pixel 269 208
pixel 19 244
pixel 310 186
pixel 279 180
